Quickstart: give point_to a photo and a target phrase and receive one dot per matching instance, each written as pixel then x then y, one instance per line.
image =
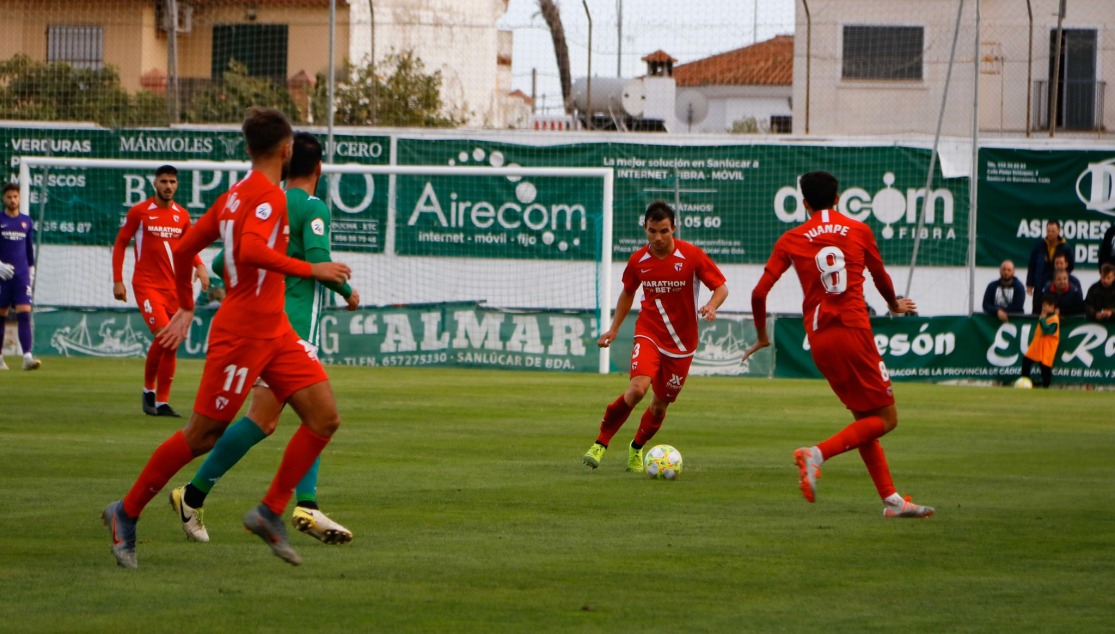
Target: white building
pixel 879 66
pixel 461 39
pixel 753 82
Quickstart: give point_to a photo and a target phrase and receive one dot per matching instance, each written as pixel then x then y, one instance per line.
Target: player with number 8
pixel 830 252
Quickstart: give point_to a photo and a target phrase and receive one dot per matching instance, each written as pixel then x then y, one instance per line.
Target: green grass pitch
pixel 472 512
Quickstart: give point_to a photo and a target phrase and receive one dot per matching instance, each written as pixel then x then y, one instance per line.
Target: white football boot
pixel 318 525
pixel 191 518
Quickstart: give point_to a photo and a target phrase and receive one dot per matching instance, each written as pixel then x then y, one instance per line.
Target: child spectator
pixel 1043 349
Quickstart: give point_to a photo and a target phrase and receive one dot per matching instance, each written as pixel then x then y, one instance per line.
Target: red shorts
pixel 667 374
pixel 851 363
pixel 157 305
pixel 233 364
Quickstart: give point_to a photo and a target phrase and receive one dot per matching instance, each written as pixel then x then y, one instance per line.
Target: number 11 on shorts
pixel 233 372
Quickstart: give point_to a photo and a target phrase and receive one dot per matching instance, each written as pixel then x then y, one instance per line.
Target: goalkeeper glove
pixel 7 271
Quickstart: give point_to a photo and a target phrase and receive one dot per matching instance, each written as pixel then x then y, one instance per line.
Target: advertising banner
pixel 979 347
pixel 734 201
pixel 1021 190
pixel 87 206
pixel 460 335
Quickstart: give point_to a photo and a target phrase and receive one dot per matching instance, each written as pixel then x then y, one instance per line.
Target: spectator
pixel 909 313
pixel 1005 296
pixel 1061 263
pixel 1068 294
pixel 213 296
pixel 1043 349
pixel 1100 303
pixel 1040 271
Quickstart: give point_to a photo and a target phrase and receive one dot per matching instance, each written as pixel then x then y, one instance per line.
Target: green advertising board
pixel 87 206
pixel 734 201
pixel 979 347
pixel 457 334
pixel 929 349
pixel 463 335
pixel 1020 190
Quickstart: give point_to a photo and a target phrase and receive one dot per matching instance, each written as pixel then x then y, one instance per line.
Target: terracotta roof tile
pixel 769 63
pixel 522 95
pixel 658 56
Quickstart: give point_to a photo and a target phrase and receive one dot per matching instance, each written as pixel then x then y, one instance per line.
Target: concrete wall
pixel 130 41
pixel 839 106
pixel 728 104
pixel 307 47
pixel 134 44
pixel 461 39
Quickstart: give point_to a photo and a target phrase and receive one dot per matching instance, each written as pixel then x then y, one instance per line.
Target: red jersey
pixel 829 253
pixel 669 308
pixel 251 219
pixel 157 233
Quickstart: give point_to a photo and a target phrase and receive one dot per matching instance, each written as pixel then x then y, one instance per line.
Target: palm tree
pixel 552 17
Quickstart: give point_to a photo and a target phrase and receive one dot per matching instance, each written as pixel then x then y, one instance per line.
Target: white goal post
pixel 603 265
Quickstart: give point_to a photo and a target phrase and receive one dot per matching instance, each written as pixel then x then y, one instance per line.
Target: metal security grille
pixel 80 46
pixel 262 48
pixel 883 52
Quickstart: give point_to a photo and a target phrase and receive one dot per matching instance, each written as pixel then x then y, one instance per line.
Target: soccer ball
pixel 663 462
pixel 1023 383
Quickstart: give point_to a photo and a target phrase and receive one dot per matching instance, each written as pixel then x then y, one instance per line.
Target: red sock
pixel 300 454
pixel 151 368
pixel 614 418
pixel 166 375
pixel 648 427
pixel 852 436
pixel 872 454
pixel 167 460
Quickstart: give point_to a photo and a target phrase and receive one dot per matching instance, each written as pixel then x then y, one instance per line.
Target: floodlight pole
pixel 973 180
pixel 619 38
pixel 588 95
pixel 332 78
pixel 1053 92
pixel 1030 70
pixel 808 58
pixel 171 25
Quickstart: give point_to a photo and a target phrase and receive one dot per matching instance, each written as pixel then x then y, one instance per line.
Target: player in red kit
pixel 669 271
pixel 157 224
pixel 250 337
pixel 830 252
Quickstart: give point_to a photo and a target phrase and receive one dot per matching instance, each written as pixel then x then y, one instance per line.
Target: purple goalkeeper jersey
pixel 17 239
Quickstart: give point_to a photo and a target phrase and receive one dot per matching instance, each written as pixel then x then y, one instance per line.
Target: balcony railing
pixel 1080 109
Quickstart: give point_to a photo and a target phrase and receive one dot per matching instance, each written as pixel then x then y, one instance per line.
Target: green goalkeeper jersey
pixel 309 241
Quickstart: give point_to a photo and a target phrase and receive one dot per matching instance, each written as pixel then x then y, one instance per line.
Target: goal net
pixel 505 237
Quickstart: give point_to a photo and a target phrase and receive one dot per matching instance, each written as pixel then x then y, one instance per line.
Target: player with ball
pixel 665 332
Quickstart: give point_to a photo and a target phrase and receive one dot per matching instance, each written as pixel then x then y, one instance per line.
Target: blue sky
pixel 686 29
